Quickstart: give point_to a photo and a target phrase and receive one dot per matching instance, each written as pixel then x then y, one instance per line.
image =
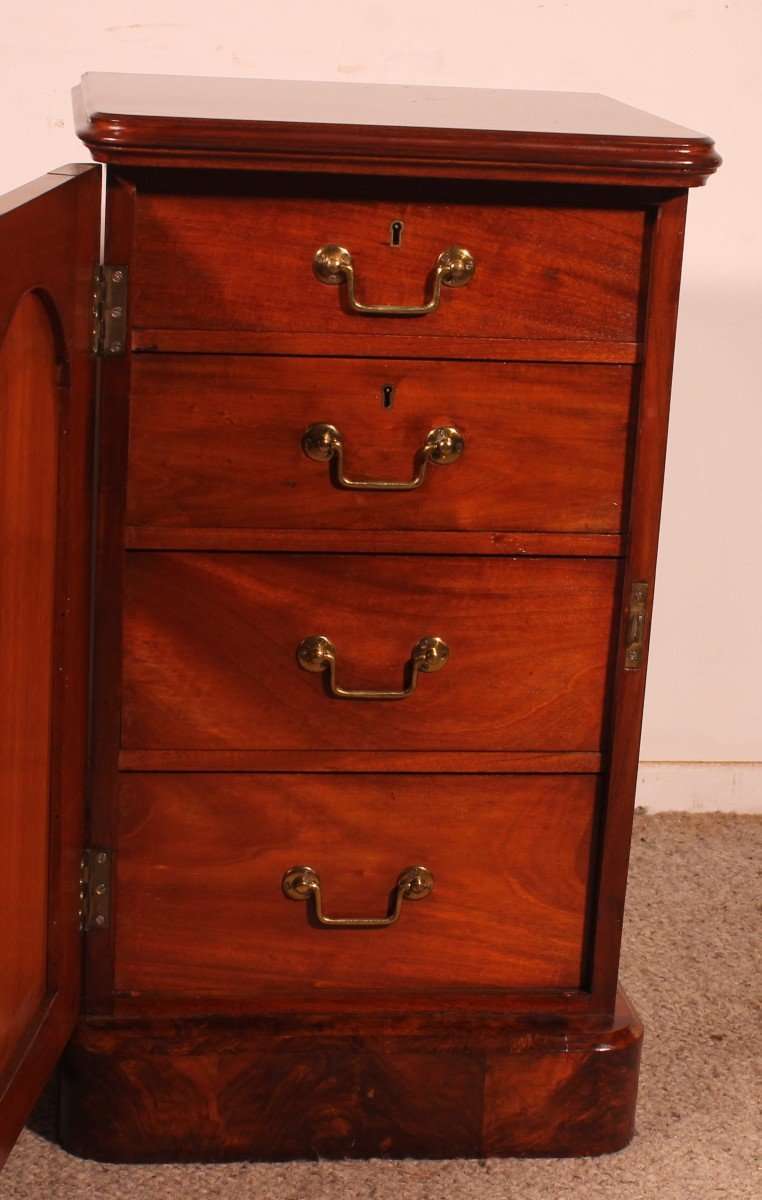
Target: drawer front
pixel 510 859
pixel 210 658
pixel 245 261
pixel 217 442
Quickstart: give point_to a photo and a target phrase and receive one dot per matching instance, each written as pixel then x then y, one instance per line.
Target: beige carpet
pixel 689 965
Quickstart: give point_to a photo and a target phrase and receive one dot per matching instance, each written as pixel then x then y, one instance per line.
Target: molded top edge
pixel 145 118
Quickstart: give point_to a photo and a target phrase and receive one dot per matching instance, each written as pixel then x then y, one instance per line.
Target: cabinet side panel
pixel 645 509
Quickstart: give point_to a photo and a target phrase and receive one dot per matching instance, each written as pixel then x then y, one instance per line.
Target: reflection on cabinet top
pixel 176 120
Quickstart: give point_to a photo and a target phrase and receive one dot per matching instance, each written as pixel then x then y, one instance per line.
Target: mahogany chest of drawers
pixel 375 381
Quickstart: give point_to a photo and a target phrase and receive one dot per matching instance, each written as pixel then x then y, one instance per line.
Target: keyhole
pixel 395 233
pixel 387 393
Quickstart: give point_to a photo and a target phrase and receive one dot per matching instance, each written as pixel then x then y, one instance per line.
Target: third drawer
pixel 211 651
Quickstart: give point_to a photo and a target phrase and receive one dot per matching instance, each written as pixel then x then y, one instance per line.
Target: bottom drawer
pixel 510 855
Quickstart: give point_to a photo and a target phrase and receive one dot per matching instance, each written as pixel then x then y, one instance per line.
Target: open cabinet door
pixel 49 238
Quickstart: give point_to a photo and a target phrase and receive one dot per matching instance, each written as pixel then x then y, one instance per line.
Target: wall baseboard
pixel 700 787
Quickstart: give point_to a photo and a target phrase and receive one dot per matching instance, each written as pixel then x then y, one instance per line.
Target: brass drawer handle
pixel 454 268
pixel 414 883
pixel 323 442
pixel 429 654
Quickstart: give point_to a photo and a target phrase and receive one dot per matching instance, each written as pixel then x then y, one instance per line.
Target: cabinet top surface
pixel 143 119
pixel 409 106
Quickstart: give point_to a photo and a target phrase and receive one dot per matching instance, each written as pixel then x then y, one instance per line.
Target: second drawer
pixel 217 442
pixel 211 651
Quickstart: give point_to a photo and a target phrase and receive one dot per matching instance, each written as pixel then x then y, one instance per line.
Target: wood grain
pixel 209 852
pixel 106 703
pixel 448 132
pixel 445 543
pixel 28 496
pixel 542 271
pixel 641 564
pixel 254 102
pixel 211 639
pixel 386 345
pixel 567 1003
pixel 460 761
pixel 581 1101
pixel 338 1086
pixel 232 755
pixel 48 246
pixel 217 442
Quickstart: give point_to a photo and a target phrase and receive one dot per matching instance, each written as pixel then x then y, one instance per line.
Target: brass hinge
pixel 95 889
pixel 109 311
pixel 636 626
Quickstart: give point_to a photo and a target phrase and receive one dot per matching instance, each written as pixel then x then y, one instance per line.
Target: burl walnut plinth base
pixel 349 1086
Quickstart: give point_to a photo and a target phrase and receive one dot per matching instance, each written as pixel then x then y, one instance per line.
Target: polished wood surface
pixel 565 271
pixel 11 204
pixel 106 701
pixel 444 543
pixel 648 480
pixel 345 103
pixel 208 852
pixel 169 120
pixel 48 245
pixel 214 752
pixel 217 442
pixel 211 639
pixel 432 1085
pixel 384 345
pixel 28 497
pixel 437 759
pixel 545 1003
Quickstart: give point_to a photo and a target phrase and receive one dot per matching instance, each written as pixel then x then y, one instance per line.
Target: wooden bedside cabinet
pixel 375 381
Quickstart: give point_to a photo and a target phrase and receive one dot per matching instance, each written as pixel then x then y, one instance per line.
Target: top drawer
pixel 243 260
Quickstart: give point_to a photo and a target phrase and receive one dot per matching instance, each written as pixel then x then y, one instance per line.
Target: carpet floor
pixel 690 952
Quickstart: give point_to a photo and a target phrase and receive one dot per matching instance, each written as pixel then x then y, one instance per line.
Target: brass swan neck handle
pixel 454 268
pixel 323 443
pixel 414 883
pixel 429 654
